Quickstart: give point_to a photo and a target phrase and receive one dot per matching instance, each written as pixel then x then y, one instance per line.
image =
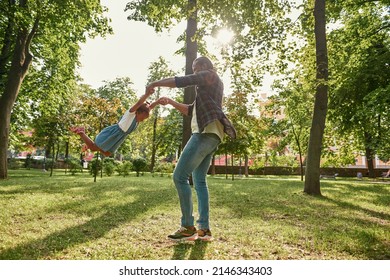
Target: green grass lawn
pixel 73 217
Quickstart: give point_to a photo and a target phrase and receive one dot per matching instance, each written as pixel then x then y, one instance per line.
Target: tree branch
pixel 27 52
pixel 5 54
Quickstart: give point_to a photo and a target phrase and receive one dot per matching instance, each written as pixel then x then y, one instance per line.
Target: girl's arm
pixel 140 101
pixel 154 104
pixel 182 108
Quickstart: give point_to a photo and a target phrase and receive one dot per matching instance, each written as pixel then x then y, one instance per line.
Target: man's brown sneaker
pixel 204 234
pixel 184 234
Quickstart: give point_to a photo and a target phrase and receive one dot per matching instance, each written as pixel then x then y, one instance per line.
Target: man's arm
pixel 182 108
pixel 167 82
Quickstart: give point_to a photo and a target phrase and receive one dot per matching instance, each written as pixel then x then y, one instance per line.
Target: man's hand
pixel 163 101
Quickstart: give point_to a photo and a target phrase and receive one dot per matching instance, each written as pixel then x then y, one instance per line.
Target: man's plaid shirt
pixel 209 95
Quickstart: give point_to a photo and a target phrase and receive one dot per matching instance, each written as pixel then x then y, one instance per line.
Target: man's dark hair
pixel 204 61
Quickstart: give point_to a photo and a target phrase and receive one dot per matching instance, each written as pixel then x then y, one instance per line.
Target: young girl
pixel 110 138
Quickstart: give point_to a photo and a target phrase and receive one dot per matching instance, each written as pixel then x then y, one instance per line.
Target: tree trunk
pixel 370 162
pixel 300 160
pixel 232 162
pixel 191 54
pixel 53 159
pixel 154 145
pixel 246 166
pixel 302 169
pixel 370 155
pixel 296 137
pixel 20 63
pixel 226 165
pixel 212 171
pixel 312 176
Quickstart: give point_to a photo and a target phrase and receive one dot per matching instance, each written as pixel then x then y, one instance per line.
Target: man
pixel 208 124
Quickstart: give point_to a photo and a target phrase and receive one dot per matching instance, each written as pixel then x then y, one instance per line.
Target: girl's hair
pixel 205 61
pixel 144 108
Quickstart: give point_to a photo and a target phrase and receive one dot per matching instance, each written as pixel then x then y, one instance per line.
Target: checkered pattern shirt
pixel 208 101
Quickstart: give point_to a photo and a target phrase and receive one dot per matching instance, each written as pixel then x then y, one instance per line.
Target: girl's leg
pixel 88 141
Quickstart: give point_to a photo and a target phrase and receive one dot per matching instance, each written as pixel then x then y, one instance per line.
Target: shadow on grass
pixel 110 218
pixel 267 202
pixel 364 230
pixel 191 251
pixel 371 246
pixel 350 206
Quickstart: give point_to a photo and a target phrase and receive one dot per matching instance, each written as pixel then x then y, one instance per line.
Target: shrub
pixel 124 168
pixel 14 163
pixel 164 167
pixel 108 168
pixel 139 165
pixel 95 166
pixel 74 165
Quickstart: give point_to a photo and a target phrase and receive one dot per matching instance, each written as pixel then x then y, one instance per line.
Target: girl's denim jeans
pixel 195 159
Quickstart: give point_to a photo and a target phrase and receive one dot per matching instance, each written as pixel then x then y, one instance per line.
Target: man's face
pixel 196 67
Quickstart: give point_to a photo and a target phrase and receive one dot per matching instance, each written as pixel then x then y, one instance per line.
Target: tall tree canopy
pixel 44 34
pixel 360 93
pixel 259 28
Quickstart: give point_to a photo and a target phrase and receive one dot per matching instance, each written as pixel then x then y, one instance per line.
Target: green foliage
pixel 74 166
pixel 170 132
pixel 109 165
pixel 108 168
pixel 139 164
pixel 258 163
pixel 164 168
pixel 40 40
pixel 359 103
pixel 95 166
pixel 123 168
pixel 14 163
pixel 120 88
pixel 259 27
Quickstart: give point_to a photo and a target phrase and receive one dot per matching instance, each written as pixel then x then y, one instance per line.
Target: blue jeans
pixel 195 159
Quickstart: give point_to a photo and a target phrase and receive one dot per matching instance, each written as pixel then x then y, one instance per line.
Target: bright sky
pixel 129 52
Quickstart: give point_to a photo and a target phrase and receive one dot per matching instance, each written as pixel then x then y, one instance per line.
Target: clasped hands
pixel 162 100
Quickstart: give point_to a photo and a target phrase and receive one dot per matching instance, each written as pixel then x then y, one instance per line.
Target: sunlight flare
pixel 225 36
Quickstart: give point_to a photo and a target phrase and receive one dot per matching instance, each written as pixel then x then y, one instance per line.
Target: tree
pixel 145 10
pixel 157 71
pixel 258 25
pixel 47 30
pixel 120 88
pixel 361 81
pixel 293 101
pixel 95 113
pixel 171 133
pixel 312 175
pixel 240 108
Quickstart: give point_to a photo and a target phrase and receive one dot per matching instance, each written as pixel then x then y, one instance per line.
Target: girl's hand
pixel 163 101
